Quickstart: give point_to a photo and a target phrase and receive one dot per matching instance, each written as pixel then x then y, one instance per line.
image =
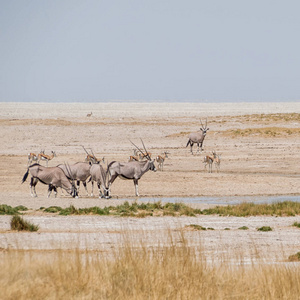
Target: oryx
pixel 54 177
pixel 79 172
pixel 132 170
pixel 198 137
pixel 99 175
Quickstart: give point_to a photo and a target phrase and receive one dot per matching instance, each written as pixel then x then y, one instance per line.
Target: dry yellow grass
pixel 263 132
pixel 164 272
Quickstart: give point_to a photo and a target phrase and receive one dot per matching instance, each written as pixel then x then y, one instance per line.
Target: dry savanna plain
pixel 259 146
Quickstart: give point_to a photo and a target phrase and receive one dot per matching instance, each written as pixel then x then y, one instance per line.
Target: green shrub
pixel 18 223
pixel 244 228
pixel 8 210
pixel 296 224
pixel 294 257
pixel 53 209
pixel 264 228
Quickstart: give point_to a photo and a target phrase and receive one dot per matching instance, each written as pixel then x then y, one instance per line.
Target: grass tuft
pixel 243 228
pixel 296 224
pixel 264 228
pixel 294 257
pixel 18 223
pixel 286 208
pixel 9 210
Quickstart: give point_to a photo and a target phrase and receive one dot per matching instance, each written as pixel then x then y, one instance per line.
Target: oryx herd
pixel 68 177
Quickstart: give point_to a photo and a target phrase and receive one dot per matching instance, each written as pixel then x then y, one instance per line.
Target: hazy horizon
pixel 149 51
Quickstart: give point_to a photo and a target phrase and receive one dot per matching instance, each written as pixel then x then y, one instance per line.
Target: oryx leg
pixel 92 193
pixel 50 188
pixel 192 144
pixel 33 183
pixel 136 187
pixel 84 184
pixel 78 185
pixel 112 179
pixel 101 195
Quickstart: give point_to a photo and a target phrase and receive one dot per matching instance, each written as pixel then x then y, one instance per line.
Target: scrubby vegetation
pixel 264 228
pixel 130 210
pixel 296 224
pixel 286 208
pixel 8 210
pixel 18 223
pixel 135 209
pixel 264 132
pixel 294 257
pixel 244 228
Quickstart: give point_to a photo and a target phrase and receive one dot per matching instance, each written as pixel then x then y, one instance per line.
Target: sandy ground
pixel 252 165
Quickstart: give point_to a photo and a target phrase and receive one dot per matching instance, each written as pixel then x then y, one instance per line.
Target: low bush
pixel 264 228
pixel 244 228
pixel 294 257
pixel 9 210
pixel 18 223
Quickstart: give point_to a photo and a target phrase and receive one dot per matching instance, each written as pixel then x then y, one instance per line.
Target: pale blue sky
pixel 213 50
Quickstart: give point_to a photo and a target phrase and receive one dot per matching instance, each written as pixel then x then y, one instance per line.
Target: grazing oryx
pixel 91 157
pixel 45 157
pixel 78 172
pixel 99 175
pixel 132 170
pixel 34 157
pixel 161 159
pixel 54 177
pixel 89 115
pixel 198 137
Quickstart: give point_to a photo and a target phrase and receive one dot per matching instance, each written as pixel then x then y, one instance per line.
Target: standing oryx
pixel 54 177
pixel 132 170
pixel 99 175
pixel 79 171
pixel 198 137
pixel 161 159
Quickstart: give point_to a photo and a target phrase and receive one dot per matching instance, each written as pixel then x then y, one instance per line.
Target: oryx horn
pixel 69 171
pixel 146 150
pixel 85 150
pixel 137 148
